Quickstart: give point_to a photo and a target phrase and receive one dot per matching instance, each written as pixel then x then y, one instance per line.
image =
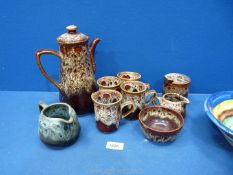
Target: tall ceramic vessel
pixel 77 69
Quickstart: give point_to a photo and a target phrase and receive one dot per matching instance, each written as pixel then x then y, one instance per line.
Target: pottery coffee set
pixel 118 97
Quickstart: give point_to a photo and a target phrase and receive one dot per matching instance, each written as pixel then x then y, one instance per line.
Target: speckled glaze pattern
pixel 108 109
pixel 138 99
pixel 67 39
pixel 129 76
pixel 152 133
pixel 109 82
pixel 174 101
pixel 137 92
pixel 58 124
pixel 76 70
pixel 107 114
pixel 72 36
pixel 113 114
pixel 157 138
pixel 176 83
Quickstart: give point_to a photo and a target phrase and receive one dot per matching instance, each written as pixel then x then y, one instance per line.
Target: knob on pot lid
pixel 72 36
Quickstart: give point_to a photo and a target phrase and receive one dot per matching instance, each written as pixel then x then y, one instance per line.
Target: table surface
pixel 199 149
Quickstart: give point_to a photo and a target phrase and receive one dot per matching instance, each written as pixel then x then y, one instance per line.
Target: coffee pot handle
pixel 51 52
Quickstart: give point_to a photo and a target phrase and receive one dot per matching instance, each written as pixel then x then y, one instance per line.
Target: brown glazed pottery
pixel 109 82
pixel 137 92
pixel 174 101
pixel 176 83
pixel 76 71
pixel 129 76
pixel 108 108
pixel 160 124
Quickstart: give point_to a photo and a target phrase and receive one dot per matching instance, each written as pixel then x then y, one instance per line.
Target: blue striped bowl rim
pixel 214 100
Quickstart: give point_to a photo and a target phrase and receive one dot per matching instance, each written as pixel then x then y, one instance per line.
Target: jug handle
pixel 51 52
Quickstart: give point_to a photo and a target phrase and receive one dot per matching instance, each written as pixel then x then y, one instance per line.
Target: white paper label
pixel 115 145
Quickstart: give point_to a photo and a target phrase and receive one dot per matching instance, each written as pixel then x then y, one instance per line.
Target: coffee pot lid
pixel 72 36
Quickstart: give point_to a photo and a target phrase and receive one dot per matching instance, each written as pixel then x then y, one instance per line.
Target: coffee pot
pixel 77 81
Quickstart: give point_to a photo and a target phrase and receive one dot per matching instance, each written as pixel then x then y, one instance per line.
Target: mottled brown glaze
pixel 137 92
pixel 109 82
pixel 174 101
pixel 160 124
pixel 104 128
pixel 129 76
pixel 108 108
pixel 133 115
pixel 76 71
pixel 81 102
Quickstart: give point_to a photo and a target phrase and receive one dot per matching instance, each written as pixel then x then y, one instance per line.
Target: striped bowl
pixel 219 108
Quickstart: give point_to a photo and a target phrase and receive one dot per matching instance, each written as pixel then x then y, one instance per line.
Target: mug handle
pixel 132 109
pixel 51 52
pixel 152 98
pixel 159 99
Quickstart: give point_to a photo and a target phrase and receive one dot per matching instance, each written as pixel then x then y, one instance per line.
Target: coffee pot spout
pixel 92 51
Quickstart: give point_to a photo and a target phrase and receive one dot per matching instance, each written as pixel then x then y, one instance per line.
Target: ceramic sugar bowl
pixel 176 83
pixel 58 125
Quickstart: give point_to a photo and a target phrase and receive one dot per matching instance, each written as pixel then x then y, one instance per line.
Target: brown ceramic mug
pixel 108 108
pixel 176 83
pixel 137 92
pixel 129 76
pixel 109 82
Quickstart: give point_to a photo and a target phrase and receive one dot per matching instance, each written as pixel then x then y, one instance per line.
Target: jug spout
pixel 92 51
pixel 185 100
pixel 42 105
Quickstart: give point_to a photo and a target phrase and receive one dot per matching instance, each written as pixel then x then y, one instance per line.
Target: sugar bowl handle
pixel 132 108
pixel 51 52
